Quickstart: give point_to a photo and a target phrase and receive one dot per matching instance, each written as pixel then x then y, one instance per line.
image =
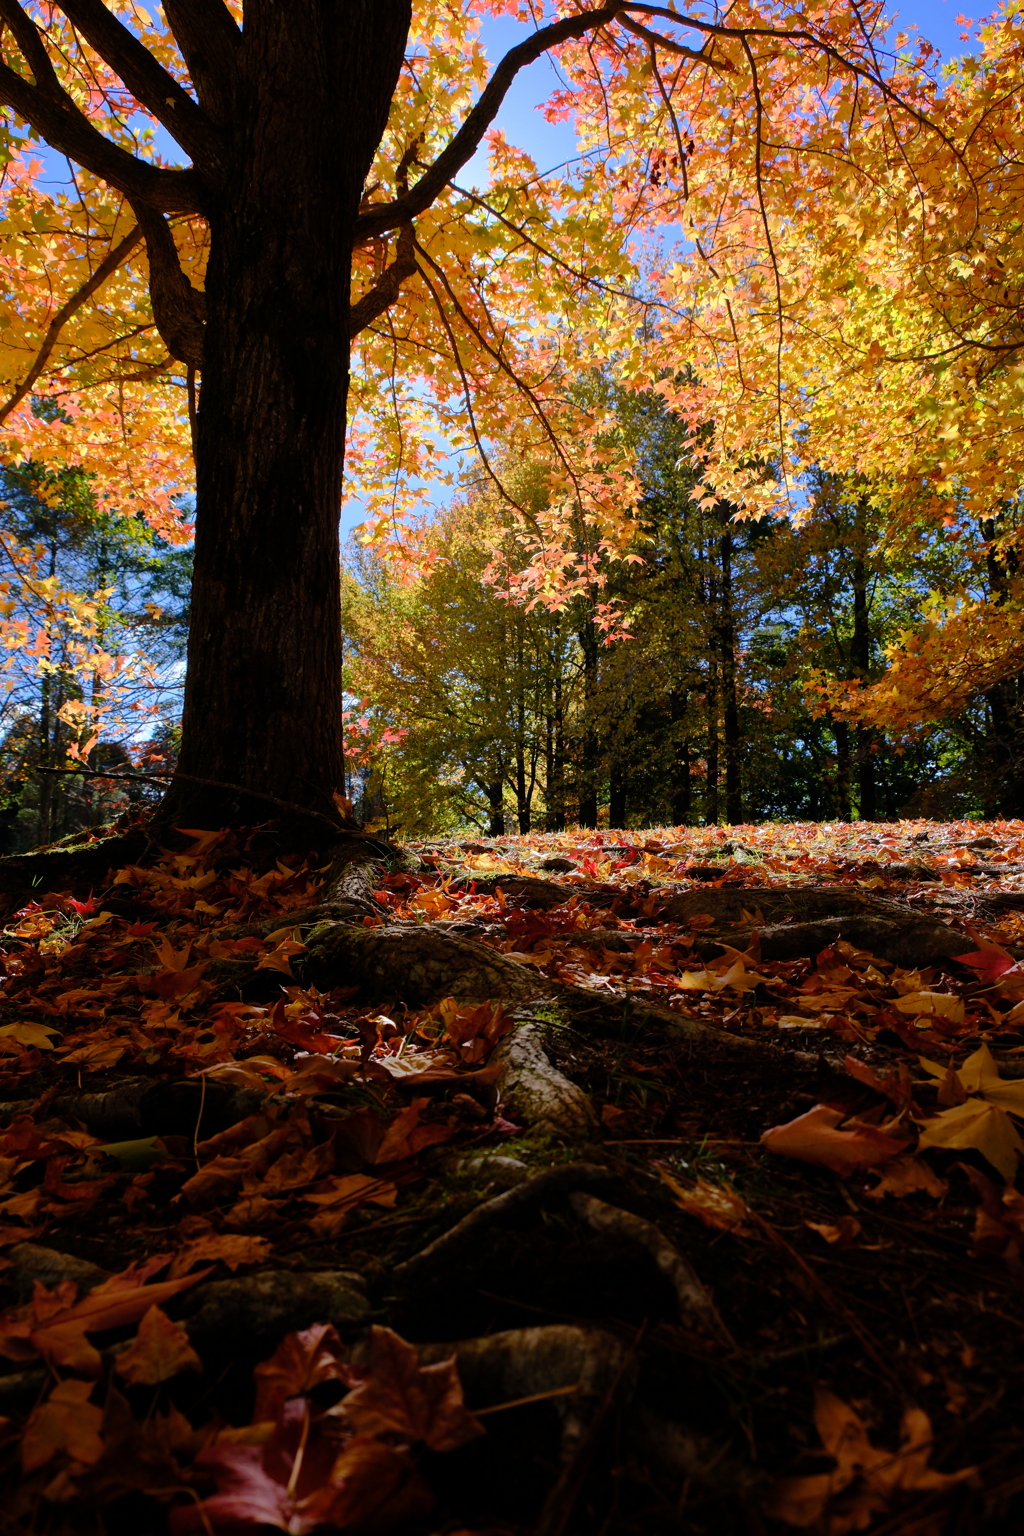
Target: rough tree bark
pixel 263 691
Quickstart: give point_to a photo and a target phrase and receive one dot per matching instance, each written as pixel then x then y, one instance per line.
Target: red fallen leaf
pixel 23 1139
pixel 297 1482
pixel 304 1031
pixel 404 1398
pixel 912 1036
pixel 892 1087
pixel 300 1363
pixel 989 960
pixel 84 1190
pixel 816 1138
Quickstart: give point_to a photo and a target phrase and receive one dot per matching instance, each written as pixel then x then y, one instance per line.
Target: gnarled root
pixel 695 1305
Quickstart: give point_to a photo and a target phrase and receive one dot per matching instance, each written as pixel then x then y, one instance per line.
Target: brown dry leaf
pixel 300 1363
pixel 872 1475
pixel 405 1136
pixel 160 1350
pixel 844 1232
pixel 280 958
pixel 998 1220
pixel 401 1397
pixel 714 1204
pixel 906 1176
pixel 67 1422
pixel 231 1248
pixel 101 1054
pixel 352 1189
pixel 815 1137
pixel 373 1486
pixel 54 1325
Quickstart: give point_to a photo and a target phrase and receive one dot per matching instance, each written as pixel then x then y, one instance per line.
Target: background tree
pixel 103 615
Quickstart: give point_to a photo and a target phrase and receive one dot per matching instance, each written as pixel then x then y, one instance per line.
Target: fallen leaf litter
pixel 843 1187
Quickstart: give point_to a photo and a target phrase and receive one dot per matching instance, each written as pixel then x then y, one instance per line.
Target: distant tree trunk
pixel 711 781
pixel 522 788
pixel 47 723
pixel 589 743
pixel 730 708
pixel 496 803
pixel 616 794
pixel 682 783
pixel 554 795
pixel 1005 746
pixel 841 733
pixel 860 658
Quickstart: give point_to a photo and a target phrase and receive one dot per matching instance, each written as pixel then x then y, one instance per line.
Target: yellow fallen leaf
pixel 983 1126
pixel 980 1074
pixel 803 1501
pixel 716 1205
pixel 30 1034
pixel 941 1005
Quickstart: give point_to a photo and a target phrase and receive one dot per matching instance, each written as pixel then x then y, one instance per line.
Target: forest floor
pixel 693 1149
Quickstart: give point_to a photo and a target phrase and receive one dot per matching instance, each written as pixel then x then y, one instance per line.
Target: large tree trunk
pixel 263 694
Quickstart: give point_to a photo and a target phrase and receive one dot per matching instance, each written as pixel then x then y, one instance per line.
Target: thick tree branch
pixel 178 308
pixel 29 40
pixel 57 119
pixel 206 33
pixel 657 40
pixel 106 268
pixel 377 220
pixel 386 289
pixel 151 85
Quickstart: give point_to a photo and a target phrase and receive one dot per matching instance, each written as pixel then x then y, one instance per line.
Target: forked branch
pixel 208 37
pixel 178 308
pixel 43 102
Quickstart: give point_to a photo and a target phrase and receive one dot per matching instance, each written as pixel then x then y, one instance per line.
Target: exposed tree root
pixel 909 941
pixel 248 1317
pixel 531 1089
pixel 695 1305
pixel 536 1191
